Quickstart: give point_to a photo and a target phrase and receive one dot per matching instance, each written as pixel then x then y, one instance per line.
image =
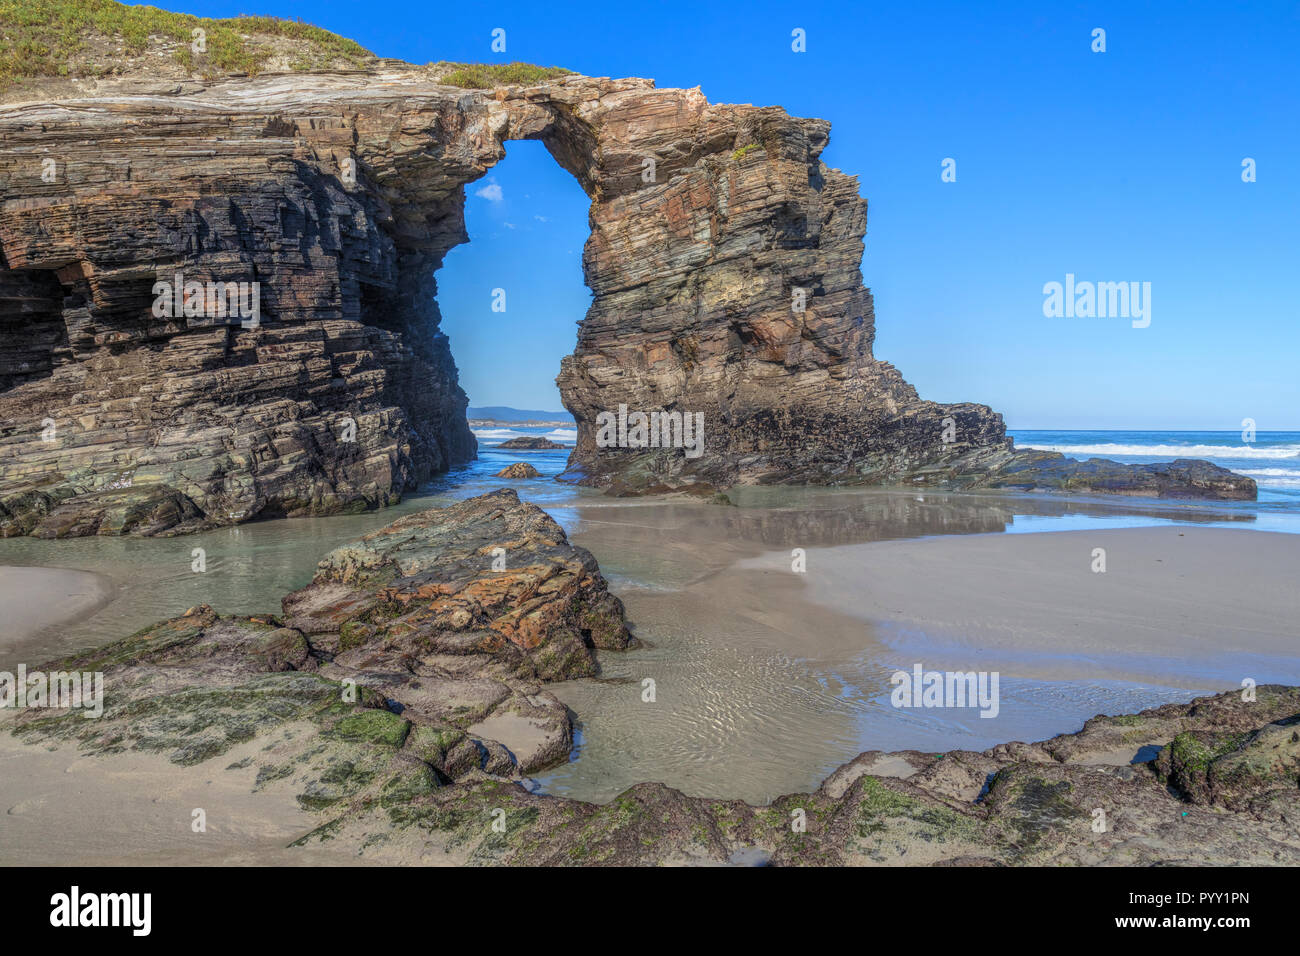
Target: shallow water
pixel 756 692
pixel 248 567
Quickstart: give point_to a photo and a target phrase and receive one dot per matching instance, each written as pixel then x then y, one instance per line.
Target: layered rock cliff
pixel 724 262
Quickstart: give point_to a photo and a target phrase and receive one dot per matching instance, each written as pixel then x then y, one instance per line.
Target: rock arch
pixel 340 194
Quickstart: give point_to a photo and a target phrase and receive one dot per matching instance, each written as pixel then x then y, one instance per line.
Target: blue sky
pixel 1115 166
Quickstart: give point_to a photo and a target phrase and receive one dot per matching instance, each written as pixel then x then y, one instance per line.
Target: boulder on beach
pixel 416 656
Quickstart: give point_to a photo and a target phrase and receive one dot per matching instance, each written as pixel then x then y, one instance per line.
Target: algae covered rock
pixel 415 658
pixel 1236 770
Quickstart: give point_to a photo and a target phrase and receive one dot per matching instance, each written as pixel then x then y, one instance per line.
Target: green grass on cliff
pixel 483 76
pixel 97 37
pixel 88 38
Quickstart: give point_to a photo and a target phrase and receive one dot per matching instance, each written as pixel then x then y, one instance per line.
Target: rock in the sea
pixel 518 470
pixel 529 443
pixel 1052 471
pixel 724 263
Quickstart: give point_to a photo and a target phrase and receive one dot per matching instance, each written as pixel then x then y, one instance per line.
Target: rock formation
pixel 518 470
pixel 401 695
pixel 724 263
pixel 529 443
pixel 488 576
pixel 439 627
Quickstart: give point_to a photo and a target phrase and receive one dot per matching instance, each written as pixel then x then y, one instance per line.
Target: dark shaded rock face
pixel 724 262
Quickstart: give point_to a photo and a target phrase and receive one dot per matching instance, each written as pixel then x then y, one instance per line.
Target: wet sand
pixel 1172 605
pixel 59 807
pixel 767 679
pixel 34 601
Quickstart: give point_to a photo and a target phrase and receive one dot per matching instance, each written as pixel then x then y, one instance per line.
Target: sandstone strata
pixel 402 696
pixel 724 264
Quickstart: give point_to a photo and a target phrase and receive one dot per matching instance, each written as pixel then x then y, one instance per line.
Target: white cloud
pixel 541 219
pixel 491 192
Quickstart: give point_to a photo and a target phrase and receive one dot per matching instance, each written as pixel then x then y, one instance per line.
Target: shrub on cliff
pixel 483 76
pixel 98 37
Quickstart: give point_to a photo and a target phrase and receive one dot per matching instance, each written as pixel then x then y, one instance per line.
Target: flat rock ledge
pixel 400 697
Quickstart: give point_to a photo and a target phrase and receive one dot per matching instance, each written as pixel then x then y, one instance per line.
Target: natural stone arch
pixel 705 221
pixel 341 194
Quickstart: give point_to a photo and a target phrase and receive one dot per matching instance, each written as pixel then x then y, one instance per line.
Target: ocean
pixel 489 437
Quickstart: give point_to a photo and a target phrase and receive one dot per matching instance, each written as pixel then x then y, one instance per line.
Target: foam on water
pixel 1112 449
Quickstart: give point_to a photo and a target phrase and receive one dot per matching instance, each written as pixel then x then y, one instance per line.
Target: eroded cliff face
pixel 116 419
pixel 724 261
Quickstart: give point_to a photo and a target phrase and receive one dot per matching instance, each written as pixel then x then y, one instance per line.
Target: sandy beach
pixel 1172 603
pixel 59 807
pixel 34 600
pixel 767 679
